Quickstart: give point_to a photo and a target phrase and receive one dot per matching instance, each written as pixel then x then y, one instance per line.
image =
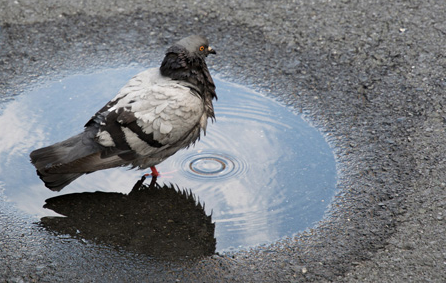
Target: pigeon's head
pixel 185 61
pixel 196 45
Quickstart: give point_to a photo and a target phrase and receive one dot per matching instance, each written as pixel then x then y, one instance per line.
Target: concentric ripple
pixel 212 165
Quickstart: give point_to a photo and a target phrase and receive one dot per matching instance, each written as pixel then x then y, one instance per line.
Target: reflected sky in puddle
pixel 261 170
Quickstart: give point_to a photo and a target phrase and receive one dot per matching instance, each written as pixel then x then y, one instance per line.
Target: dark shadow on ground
pixel 160 221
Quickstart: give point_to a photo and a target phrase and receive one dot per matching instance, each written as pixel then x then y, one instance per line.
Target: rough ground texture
pixel 369 74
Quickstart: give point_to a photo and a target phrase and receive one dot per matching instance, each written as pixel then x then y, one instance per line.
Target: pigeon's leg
pixel 154 173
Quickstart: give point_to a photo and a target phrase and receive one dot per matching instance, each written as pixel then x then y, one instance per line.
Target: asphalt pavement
pixel 369 74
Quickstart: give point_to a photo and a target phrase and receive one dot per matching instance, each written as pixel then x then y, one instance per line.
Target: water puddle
pixel 261 170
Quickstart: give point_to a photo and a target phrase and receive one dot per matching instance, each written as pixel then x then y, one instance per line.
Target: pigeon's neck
pixel 193 70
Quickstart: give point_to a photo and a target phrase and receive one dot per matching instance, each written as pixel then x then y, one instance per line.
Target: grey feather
pixel 157 113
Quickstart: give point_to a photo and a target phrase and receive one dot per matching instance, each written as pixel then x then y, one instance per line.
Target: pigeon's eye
pixel 201 48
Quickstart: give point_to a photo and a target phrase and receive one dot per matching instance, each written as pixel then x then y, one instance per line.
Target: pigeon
pixel 158 112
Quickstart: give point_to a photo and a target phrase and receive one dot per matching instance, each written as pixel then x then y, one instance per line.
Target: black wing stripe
pixel 113 127
pixel 148 138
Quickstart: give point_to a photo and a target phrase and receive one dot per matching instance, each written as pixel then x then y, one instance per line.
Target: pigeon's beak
pixel 211 51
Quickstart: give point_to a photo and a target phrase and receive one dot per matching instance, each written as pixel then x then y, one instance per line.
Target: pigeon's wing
pixel 149 115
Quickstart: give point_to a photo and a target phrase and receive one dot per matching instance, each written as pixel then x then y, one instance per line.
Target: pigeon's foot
pixel 154 173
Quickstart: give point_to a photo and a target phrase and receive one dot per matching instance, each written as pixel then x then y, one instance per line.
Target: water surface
pixel 261 170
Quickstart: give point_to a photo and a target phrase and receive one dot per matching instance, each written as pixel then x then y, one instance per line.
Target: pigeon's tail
pixel 60 164
pixel 47 157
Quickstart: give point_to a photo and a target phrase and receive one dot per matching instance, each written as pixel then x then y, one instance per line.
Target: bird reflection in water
pixel 161 221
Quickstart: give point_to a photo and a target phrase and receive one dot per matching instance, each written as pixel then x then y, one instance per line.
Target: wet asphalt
pixel 369 74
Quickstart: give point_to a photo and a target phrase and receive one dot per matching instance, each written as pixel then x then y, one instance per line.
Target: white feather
pixel 166 108
pixel 165 127
pixel 104 138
